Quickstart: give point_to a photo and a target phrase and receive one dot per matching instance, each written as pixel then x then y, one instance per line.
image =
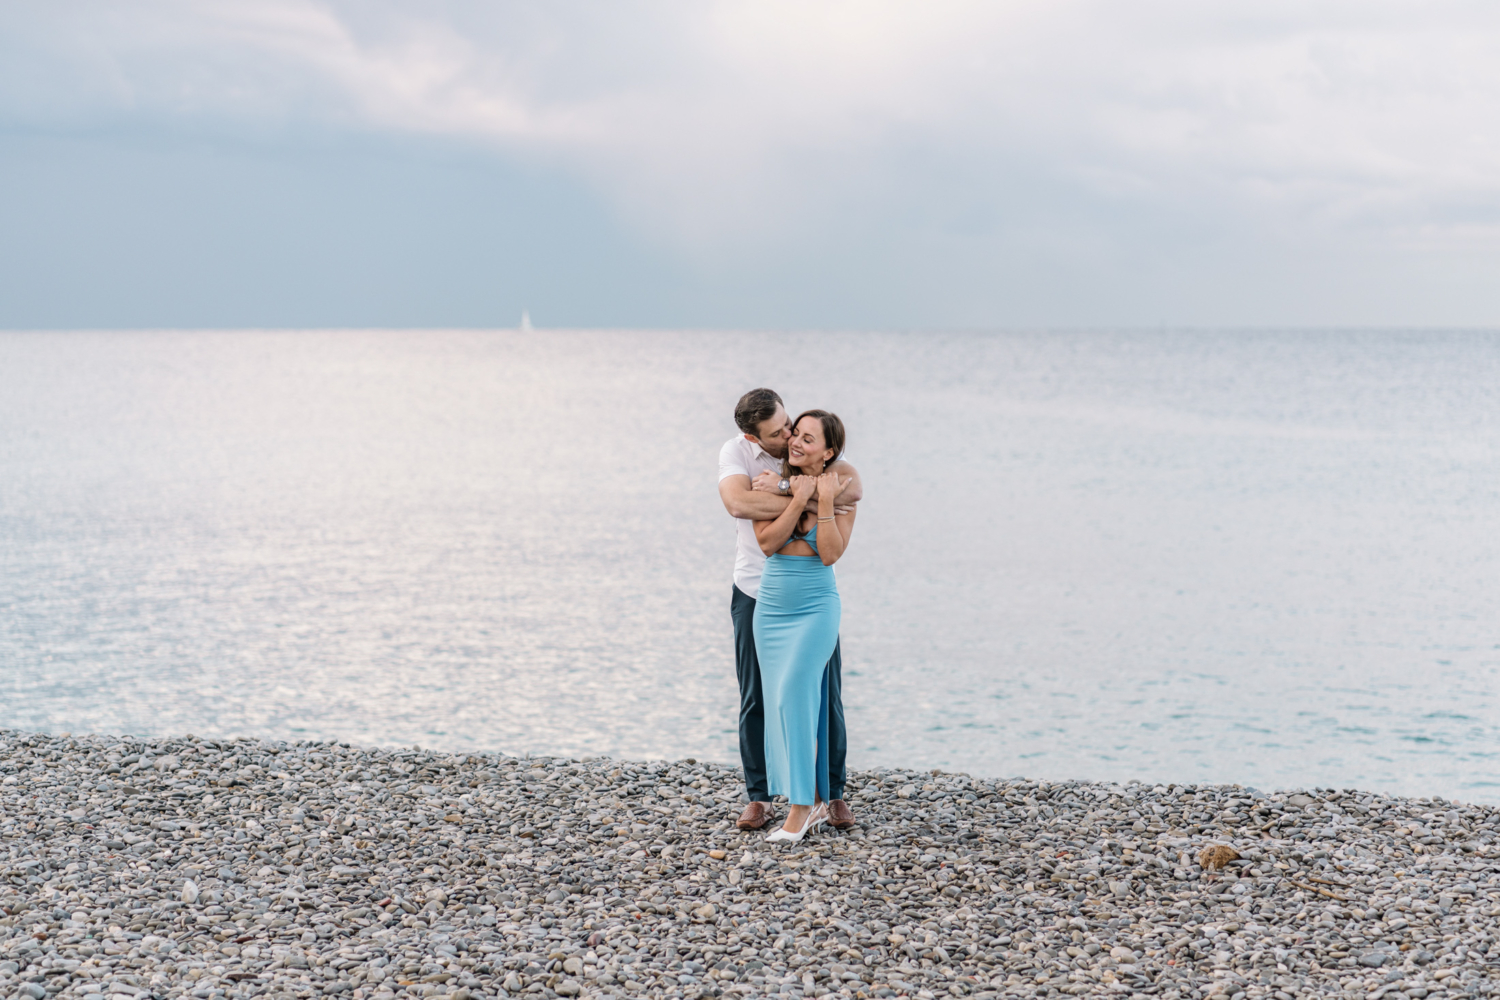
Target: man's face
pixel 774 432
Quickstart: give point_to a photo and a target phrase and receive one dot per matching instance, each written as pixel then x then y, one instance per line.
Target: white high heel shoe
pixel 785 836
pixel 817 817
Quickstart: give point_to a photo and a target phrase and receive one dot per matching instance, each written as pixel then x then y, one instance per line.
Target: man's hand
pixel 839 508
pixel 767 482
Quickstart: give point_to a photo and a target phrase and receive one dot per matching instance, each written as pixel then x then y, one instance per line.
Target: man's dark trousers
pixel 752 706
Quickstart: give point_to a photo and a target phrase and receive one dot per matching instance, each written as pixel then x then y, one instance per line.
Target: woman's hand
pixel 830 485
pixel 803 486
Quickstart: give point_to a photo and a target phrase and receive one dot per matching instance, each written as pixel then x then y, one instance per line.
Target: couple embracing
pixel 793 499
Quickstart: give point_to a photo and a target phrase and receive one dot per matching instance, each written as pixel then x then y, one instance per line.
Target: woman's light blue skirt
pixel 796 627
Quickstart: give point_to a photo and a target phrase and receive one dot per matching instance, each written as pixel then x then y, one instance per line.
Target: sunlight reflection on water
pixel 1267 558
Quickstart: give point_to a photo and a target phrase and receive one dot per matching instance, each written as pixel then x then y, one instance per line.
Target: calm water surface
pixel 1268 558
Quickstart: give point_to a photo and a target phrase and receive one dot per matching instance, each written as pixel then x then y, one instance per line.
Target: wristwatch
pixel 785 486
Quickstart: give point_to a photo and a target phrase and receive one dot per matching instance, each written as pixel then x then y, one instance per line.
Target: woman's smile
pixel 807 442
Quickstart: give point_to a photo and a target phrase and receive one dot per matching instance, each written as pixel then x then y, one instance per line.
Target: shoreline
pixel 189 867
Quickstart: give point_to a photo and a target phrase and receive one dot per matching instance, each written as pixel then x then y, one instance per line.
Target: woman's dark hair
pixel 755 408
pixel 833 437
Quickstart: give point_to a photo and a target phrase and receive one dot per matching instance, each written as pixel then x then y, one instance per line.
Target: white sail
pixel 525 321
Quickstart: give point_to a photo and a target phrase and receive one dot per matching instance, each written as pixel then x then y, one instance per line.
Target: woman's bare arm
pixel 772 535
pixel 833 529
pixel 841 525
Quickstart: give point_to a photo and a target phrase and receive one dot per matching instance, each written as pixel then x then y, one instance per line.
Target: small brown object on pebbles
pixel 717 855
pixel 1216 857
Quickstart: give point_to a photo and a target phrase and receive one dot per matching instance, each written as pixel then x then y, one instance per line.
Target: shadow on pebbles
pixel 191 867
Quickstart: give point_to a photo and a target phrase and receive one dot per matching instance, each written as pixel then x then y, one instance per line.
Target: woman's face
pixel 807 446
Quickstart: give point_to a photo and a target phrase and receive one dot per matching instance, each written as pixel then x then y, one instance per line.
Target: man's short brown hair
pixel 755 408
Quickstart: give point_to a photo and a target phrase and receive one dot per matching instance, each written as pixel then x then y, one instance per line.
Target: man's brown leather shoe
pixel 755 816
pixel 840 816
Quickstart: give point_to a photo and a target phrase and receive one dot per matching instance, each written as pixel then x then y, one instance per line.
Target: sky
pixel 752 165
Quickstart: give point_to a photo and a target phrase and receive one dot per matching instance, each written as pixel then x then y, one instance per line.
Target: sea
pixel 1261 557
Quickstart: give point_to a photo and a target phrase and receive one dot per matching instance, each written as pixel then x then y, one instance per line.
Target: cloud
pixel 1062 129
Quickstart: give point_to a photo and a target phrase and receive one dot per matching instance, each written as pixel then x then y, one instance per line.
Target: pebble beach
pixel 211 869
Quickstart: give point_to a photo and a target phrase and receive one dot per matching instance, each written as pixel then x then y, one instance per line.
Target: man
pixel 752 489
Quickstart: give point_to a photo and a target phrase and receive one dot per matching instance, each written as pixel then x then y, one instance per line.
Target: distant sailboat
pixel 525 321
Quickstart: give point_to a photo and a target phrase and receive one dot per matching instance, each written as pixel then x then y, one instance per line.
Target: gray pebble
pixel 180 868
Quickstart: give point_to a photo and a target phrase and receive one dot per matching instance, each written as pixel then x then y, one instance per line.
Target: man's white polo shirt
pixel 742 457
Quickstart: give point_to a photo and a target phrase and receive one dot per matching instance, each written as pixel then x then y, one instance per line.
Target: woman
pixel 797 622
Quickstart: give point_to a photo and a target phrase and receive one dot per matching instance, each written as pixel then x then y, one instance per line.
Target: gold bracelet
pixel 825 519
